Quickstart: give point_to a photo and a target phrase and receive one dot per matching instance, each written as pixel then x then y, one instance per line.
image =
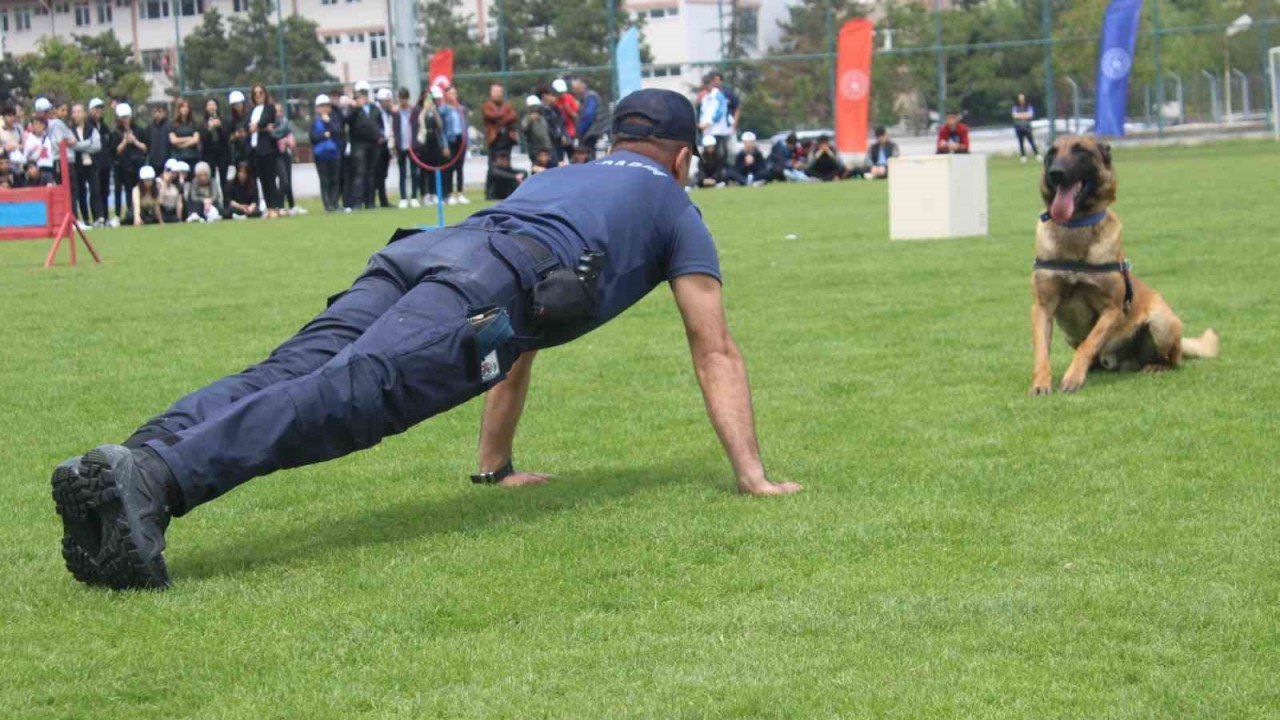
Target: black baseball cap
pixel 670 113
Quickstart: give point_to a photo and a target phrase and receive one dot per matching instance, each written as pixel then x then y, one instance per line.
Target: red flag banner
pixel 853 85
pixel 440 74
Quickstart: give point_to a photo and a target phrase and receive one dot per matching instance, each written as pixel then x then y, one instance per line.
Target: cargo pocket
pixel 490 347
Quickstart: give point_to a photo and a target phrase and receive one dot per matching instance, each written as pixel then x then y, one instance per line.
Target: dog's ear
pixel 1104 149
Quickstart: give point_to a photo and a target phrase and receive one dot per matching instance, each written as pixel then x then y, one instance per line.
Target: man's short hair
pixel 792 139
pixel 404 92
pixel 824 139
pixel 881 131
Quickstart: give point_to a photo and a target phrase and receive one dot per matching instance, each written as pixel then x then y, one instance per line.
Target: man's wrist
pixel 496 476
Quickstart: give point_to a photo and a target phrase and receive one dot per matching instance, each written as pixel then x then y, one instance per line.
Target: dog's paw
pixel 1071 383
pixel 1037 390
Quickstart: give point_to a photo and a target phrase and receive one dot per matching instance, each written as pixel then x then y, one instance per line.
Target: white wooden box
pixel 937 196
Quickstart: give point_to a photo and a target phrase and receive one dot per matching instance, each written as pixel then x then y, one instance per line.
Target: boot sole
pixel 88 500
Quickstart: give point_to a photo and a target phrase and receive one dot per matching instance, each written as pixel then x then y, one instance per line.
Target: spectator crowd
pixel 234 160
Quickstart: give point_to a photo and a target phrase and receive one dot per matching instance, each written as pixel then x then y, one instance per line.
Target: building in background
pixel 355 31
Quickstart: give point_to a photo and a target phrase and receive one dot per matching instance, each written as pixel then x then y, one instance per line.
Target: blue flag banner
pixel 627 61
pixel 1115 63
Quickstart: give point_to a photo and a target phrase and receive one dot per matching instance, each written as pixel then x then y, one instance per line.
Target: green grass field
pixel 961 551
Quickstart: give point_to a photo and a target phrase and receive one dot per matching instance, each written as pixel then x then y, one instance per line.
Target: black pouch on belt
pixel 565 297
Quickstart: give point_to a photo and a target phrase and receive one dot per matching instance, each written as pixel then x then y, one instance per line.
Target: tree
pixel 244 49
pixel 15 79
pixel 800 90
pixel 61 71
pixel 115 72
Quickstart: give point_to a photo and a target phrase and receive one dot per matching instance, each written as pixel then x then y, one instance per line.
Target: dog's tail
pixel 1205 346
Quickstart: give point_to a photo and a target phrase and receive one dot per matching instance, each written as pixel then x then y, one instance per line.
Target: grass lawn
pixel 961 550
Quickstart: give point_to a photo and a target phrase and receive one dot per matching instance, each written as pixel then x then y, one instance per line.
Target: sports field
pixel 961 550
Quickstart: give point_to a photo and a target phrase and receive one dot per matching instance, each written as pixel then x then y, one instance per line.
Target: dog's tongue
pixel 1064 203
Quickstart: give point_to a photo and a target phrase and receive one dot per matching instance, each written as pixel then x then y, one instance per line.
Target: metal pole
pixel 831 53
pixel 1215 103
pixel 1182 107
pixel 284 70
pixel 720 31
pixel 1075 104
pixel 1226 74
pixel 502 43
pixel 1264 43
pixel 177 44
pixel 1245 104
pixel 1155 21
pixel 440 198
pixel 612 21
pixel 1146 101
pixel 942 66
pixel 407 66
pixel 1050 90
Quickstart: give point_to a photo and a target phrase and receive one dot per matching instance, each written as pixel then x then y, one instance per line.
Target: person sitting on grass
pixel 542 161
pixel 171 193
pixel 581 155
pixel 787 161
pixel 146 198
pixel 825 163
pixel 243 200
pixel 879 154
pixel 503 179
pixel 204 197
pixel 749 166
pixel 711 170
pixel 953 136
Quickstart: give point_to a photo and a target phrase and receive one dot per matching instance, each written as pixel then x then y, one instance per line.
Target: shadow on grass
pixel 487 507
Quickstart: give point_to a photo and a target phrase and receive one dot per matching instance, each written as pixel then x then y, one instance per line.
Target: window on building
pixel 84 16
pixel 377 45
pixel 748 20
pixel 104 12
pixel 4 21
pixel 155 61
pixel 332 39
pixel 240 6
pixel 21 19
pixel 62 8
pixel 355 38
pixel 189 7
pixel 123 3
pixel 328 2
pixel 42 9
pixel 153 9
pixel 673 11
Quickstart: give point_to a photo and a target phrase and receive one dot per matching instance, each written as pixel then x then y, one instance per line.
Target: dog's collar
pixel 1086 221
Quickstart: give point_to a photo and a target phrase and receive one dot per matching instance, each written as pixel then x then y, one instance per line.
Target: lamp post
pixel 1237 26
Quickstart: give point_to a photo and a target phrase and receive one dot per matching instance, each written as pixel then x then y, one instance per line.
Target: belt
pixel 543 259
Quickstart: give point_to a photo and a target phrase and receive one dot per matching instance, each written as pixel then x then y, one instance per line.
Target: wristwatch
pixel 495 477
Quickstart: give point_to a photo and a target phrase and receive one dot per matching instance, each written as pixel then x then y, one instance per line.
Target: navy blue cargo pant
pixel 392 351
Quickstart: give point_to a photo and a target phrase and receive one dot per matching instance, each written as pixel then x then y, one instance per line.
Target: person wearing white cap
pixel 711 169
pixel 325 135
pixel 535 133
pixel 568 106
pixel 749 166
pixel 146 198
pixel 101 159
pixel 237 133
pixel 130 155
pixel 171 192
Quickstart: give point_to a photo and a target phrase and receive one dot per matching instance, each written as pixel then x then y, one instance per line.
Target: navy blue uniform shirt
pixel 624 205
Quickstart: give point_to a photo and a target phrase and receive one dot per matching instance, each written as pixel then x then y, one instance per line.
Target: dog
pixel 1081 279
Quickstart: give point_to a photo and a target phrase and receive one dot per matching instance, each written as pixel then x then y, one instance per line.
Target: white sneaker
pixel 1024 159
pixel 238 216
pixel 428 200
pixel 299 211
pixel 414 203
pixel 403 204
pixel 346 211
pixel 462 199
pixel 113 222
pixel 81 226
pixel 453 199
pixel 194 217
pixel 1039 158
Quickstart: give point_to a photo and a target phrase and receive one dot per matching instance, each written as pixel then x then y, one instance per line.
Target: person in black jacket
pixel 237 136
pixel 262 146
pixel 711 170
pixel 749 167
pixel 103 160
pixel 215 147
pixel 158 147
pixel 131 152
pixel 363 134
